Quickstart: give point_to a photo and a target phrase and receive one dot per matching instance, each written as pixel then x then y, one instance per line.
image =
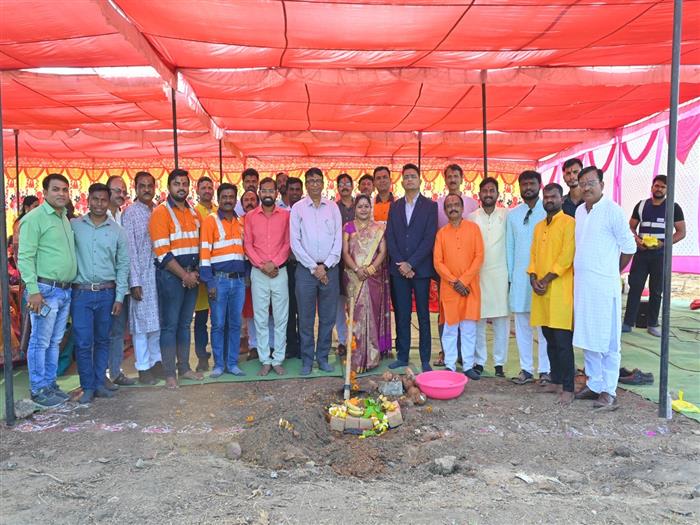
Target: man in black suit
pixel 410 236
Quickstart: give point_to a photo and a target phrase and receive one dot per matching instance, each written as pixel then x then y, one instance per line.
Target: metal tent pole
pixel 5 293
pixel 221 163
pixel 670 204
pixel 18 203
pixel 420 149
pixel 174 108
pixel 483 124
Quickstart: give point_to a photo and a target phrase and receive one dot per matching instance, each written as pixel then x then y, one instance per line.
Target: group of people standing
pixel 277 260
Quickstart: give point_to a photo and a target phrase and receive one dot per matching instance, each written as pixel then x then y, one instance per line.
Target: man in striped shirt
pixel 222 269
pixel 174 229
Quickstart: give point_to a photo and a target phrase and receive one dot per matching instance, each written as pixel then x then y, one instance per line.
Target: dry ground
pixel 154 456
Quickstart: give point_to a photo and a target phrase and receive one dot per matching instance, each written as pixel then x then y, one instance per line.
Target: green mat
pixel 639 350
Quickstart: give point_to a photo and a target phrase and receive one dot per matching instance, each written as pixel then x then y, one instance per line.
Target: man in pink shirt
pixel 266 243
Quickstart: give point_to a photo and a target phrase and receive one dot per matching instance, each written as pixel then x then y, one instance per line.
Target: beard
pixel 268 201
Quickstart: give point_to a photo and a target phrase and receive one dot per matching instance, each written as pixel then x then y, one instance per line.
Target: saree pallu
pixel 372 314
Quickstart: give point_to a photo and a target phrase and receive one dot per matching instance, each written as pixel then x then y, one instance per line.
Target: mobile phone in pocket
pixel 45 310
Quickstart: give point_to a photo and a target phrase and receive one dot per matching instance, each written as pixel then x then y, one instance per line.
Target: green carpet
pixel 639 350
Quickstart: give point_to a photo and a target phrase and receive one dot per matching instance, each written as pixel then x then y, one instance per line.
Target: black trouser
pixel 560 351
pixel 292 320
pixel 645 263
pixel 404 289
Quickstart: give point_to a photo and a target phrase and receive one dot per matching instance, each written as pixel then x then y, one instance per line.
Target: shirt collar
pixel 391 198
pixel 86 218
pixel 311 201
pixel 173 204
pixel 50 209
pixel 235 215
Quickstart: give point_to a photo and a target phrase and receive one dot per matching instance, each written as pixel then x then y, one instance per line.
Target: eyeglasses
pixel 345 184
pixel 588 183
pixel 527 216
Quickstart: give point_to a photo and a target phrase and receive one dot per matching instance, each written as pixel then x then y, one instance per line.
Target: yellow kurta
pixel 458 255
pixel 552 251
pixel 202 294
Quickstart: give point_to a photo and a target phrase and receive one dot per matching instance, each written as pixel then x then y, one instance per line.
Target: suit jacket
pixel 412 242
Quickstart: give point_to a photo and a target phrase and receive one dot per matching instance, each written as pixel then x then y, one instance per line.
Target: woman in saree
pixel 367 283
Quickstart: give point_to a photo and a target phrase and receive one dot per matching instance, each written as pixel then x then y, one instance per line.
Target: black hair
pixel 177 172
pixel 530 175
pixel 70 210
pixel 410 166
pixel 444 203
pixel 294 180
pixel 572 162
pixel 310 173
pixel 361 196
pixel 553 186
pixel 226 186
pixel 98 186
pixel 381 168
pixel 29 200
pixel 268 180
pixel 250 172
pixel 660 178
pixel 591 169
pixel 341 177
pixel 141 174
pixel 455 167
pixel 281 173
pixel 53 176
pixel 204 179
pixel 366 176
pixel 489 180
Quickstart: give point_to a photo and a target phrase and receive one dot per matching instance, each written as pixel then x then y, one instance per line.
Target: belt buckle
pixel 95 287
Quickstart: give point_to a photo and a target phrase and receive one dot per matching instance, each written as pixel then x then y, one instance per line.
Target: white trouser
pixel 341 324
pixel 265 290
pixel 252 336
pixel 466 331
pixel 501 331
pixel 524 337
pixel 603 368
pixel 146 349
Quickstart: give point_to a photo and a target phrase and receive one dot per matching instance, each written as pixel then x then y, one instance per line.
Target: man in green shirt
pixel 48 265
pixel 98 289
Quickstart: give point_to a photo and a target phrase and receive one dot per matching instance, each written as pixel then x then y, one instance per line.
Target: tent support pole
pixel 483 125
pixel 420 149
pixel 670 203
pixel 18 203
pixel 5 294
pixel 221 163
pixel 174 107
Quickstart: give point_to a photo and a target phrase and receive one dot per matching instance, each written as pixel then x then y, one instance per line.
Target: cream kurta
pixel 494 272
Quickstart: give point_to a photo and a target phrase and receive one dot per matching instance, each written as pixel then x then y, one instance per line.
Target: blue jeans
pixel 92 321
pixel 46 336
pixel 404 289
pixel 201 334
pixel 310 294
pixel 116 343
pixel 176 309
pixel 226 309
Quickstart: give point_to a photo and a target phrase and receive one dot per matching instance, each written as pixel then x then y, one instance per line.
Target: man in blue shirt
pixel 98 289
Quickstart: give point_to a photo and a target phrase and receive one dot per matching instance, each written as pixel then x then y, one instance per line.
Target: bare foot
pixel 565 398
pixel 551 388
pixel 170 383
pixel 279 370
pixel 195 376
pixel 265 370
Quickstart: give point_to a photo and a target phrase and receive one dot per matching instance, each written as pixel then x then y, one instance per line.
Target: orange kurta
pixel 458 255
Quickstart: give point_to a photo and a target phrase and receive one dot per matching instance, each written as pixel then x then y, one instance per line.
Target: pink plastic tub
pixel 441 384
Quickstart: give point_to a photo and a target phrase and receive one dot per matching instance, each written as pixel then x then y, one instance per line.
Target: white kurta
pixel 143 315
pixel 493 278
pixel 601 235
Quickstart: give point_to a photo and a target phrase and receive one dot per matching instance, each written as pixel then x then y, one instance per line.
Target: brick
pixel 366 424
pixel 352 422
pixel 394 418
pixel 337 423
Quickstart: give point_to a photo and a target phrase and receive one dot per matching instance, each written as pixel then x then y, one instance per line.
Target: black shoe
pixel 472 374
pixel 426 367
pixel 203 364
pixel 109 385
pixel 157 371
pixel 101 391
pixel 46 398
pixel 123 380
pixel 499 371
pixel 87 397
pixel 60 393
pixel 479 369
pixel 146 378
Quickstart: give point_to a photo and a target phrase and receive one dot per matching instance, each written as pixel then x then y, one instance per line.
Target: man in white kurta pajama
pixel 493 278
pixel 604 245
pixel 520 228
pixel 143 307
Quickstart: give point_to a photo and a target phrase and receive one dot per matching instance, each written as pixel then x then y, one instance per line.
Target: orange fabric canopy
pixel 329 79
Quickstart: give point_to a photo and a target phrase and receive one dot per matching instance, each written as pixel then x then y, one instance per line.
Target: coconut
pixel 387 376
